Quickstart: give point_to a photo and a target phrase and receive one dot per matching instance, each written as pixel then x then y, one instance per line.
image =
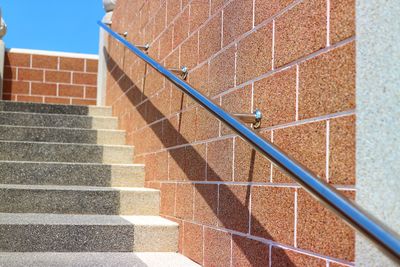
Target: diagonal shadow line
pixel 197 157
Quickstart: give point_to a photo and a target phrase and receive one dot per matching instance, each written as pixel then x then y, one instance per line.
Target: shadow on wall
pixel 240 210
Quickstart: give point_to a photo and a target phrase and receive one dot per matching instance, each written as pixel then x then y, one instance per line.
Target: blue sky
pixel 56 25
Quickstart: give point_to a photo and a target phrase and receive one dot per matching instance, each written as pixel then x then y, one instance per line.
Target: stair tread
pixel 63 144
pixel 62 128
pixel 56 114
pixel 75 188
pixel 74 219
pixel 120 259
pixel 74 163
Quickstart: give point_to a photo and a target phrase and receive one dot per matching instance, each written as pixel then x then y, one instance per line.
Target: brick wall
pixel 294 60
pixel 50 78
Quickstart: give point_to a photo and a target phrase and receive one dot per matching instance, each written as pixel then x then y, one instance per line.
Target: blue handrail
pixel 386 239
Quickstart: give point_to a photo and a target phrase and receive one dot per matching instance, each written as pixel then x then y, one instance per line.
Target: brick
pixel 217 4
pixel 170 131
pixel 218 248
pixel 222 72
pixel 254 55
pixel 71 90
pixel 238 19
pixel 300 31
pixel 30 75
pixel 327 83
pixel 195 167
pixel 184 201
pixel 181 27
pixel 91 65
pixel 272 210
pixel 206 204
pixel 85 78
pixel 57 100
pixel 167 195
pixel 72 64
pixel 198 78
pixel 275 96
pixel 177 162
pixel 306 143
pixel 264 10
pixel 10 73
pixel 320 231
pixel 189 51
pixel 207 125
pixel 283 258
pixel 28 98
pixel 199 11
pixel 249 253
pixel 157 166
pixel 219 160
pixel 233 211
pixel 9 97
pixel 210 38
pixel 44 62
pixel 91 92
pixel 250 165
pixel 193 241
pixel 173 8
pixel 342 154
pixel 58 76
pixel 238 101
pixel 159 20
pixel 48 89
pixel 166 43
pixel 85 102
pixel 342 20
pixel 15 87
pixel 17 60
pixel 187 127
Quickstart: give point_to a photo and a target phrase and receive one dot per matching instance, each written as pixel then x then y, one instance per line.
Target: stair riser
pixel 64 121
pixel 79 201
pixel 87 238
pixel 42 152
pixel 58 135
pixel 71 174
pixel 55 109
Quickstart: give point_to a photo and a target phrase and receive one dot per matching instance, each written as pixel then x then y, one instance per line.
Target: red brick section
pixel 50 79
pixel 294 60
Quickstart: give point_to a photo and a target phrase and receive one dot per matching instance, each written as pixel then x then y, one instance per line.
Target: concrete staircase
pixel 70 195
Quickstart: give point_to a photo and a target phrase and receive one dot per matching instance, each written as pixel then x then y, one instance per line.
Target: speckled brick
pixel 91 65
pixel 17 59
pixel 210 38
pixel 44 89
pixel 10 73
pixel 266 9
pixel 206 204
pixel 58 76
pixel 189 51
pixel 320 231
pixel 342 20
pixel 57 100
pixel 222 72
pixel 217 247
pixel 184 201
pixel 75 64
pixel 284 257
pixel 167 195
pixel 217 4
pixel 208 125
pixel 166 42
pixel 71 90
pixel 254 55
pixel 219 160
pixel 306 143
pixel 181 27
pixel 233 208
pixel 177 163
pixel 44 62
pixel 300 31
pixel 160 20
pixel 199 11
pixel 188 127
pixel 249 253
pixel 30 75
pixel 272 210
pixel 195 168
pixel 85 78
pixel 275 96
pixel 28 98
pixel 342 154
pixel 193 241
pixel 238 19
pixel 250 165
pixel 16 87
pixel 199 79
pixel 173 8
pixel 327 83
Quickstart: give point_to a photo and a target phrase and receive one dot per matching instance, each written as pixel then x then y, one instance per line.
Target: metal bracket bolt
pixel 253 118
pixel 183 72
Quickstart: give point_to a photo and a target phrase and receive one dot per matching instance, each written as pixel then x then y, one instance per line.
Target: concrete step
pixel 54 108
pixel 95 259
pixel 57 120
pixel 62 135
pixel 86 233
pixel 59 152
pixel 84 174
pixel 78 200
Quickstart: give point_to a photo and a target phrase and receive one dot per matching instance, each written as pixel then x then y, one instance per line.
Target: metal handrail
pixel 382 236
